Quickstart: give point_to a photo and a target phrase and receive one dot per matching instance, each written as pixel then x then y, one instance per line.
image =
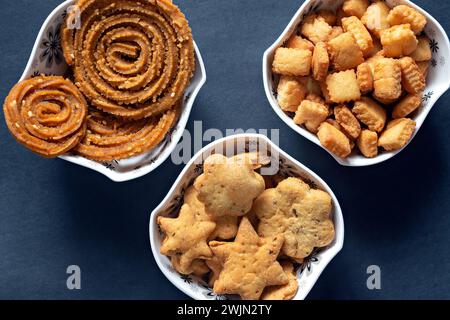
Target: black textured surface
pixel 54 214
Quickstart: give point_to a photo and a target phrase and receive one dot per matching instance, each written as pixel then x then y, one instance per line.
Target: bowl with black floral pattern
pixel 47 58
pixel 307 272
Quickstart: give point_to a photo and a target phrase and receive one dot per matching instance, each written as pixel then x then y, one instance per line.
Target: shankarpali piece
pixel 47 114
pixel 132 59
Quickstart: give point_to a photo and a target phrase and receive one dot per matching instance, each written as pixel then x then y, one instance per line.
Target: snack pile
pixel 243 231
pixel 131 61
pixel 355 76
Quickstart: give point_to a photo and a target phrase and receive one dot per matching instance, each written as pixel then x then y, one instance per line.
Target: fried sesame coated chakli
pixel 46 114
pixel 131 58
pixel 111 138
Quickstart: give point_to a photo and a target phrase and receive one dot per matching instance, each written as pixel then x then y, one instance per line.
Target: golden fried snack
pixel 357 29
pixel 296 42
pixel 131 58
pixel 316 29
pixel 110 138
pixel 347 121
pixel 220 186
pixel 404 14
pixel 339 15
pixel 355 7
pixel 320 61
pixel 334 140
pixel 249 263
pixel 398 41
pixel 345 52
pixel 387 80
pixel 292 62
pixel 311 114
pixel 226 228
pixel 424 67
pixel 372 61
pixel 397 134
pixel 284 292
pixel 368 143
pixel 297 212
pixel 370 113
pixel 343 86
pixel 315 98
pixel 291 92
pixel 364 76
pixel 375 18
pixel 216 268
pixel 335 32
pixel 46 114
pixel 198 267
pixel 186 237
pixel 423 51
pixel 312 86
pixel 412 78
pixel 407 105
pixel 325 92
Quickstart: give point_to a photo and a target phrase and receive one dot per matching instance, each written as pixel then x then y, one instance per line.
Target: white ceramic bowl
pixel 438 81
pixel 47 58
pixel 196 288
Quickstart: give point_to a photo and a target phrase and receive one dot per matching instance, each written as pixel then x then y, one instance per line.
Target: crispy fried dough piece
pixel 311 114
pixel 343 86
pixel 334 140
pixel 368 143
pixel 297 42
pixel 387 80
pixel 363 38
pixel 364 76
pixel 292 62
pixel 284 292
pixel 404 14
pixel 347 121
pixel 375 18
pixel 370 113
pixel 249 263
pixel 345 52
pixel 328 16
pixel 291 92
pixel 198 267
pixel 335 32
pixel 316 29
pixel 423 51
pixel 412 78
pixel 355 7
pixel 407 105
pixel 398 41
pixel 320 61
pixel 424 67
pixel 397 134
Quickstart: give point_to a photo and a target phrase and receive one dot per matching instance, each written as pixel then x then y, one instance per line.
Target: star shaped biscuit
pixel 249 263
pixel 186 237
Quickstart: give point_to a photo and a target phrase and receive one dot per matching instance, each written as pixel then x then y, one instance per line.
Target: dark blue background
pixel 54 214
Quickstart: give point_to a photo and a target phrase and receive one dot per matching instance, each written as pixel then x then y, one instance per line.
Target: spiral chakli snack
pixel 131 58
pixel 46 114
pixel 111 138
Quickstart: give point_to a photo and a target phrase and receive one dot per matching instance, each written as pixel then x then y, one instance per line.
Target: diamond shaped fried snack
pixel 291 92
pixel 355 7
pixel 316 29
pixel 397 134
pixel 412 78
pixel 334 140
pixel 398 41
pixel 227 186
pixel 407 105
pixel 249 263
pixel 370 113
pixel 287 291
pixel 363 38
pixel 292 62
pixel 387 80
pixel 345 52
pixel 343 86
pixel 375 17
pixel 186 236
pixel 347 121
pixel 311 114
pixel 368 143
pixel 299 213
pixel 404 14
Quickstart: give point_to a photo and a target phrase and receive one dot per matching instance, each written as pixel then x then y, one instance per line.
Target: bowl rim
pixel 332 250
pixel 386 155
pixel 182 121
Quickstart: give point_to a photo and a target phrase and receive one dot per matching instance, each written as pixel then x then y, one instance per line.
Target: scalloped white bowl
pixel 438 81
pixel 195 287
pixel 123 170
